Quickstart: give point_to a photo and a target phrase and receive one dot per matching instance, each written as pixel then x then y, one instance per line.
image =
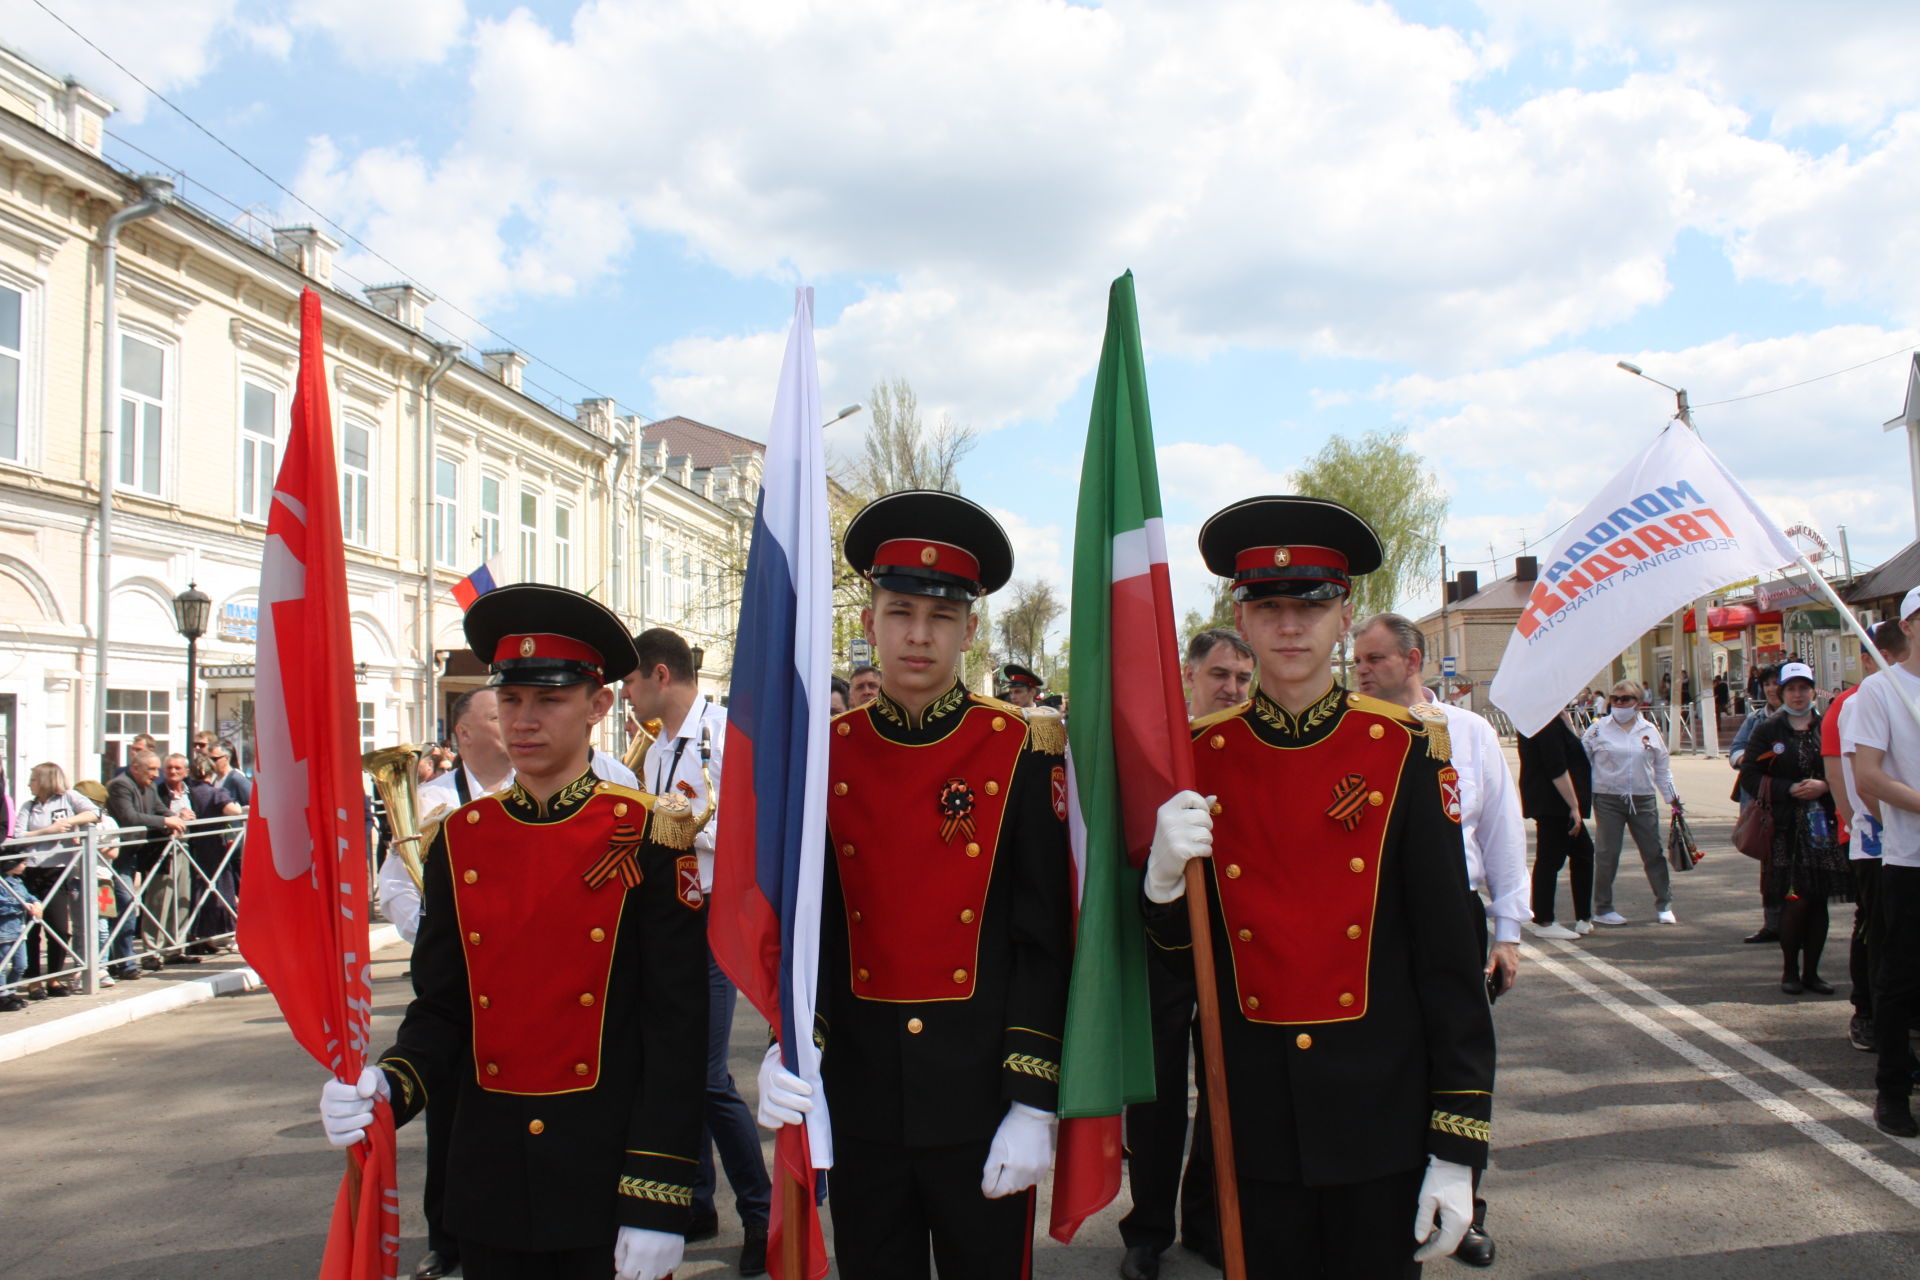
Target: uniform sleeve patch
pixel 687 876
pixel 1450 792
pixel 1059 789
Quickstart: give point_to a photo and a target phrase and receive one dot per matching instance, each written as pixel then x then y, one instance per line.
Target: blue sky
pixel 1447 218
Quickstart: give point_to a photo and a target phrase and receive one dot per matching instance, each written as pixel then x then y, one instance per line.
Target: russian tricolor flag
pixel 474 585
pixel 764 922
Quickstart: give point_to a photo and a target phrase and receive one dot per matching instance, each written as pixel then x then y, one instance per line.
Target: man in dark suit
pixel 134 804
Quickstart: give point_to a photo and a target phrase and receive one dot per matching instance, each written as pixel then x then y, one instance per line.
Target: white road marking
pixel 1839 1100
pixel 1846 1149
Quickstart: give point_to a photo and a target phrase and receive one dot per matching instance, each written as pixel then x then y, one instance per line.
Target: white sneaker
pixel 1667 917
pixel 1583 927
pixel 1555 930
pixel 104 979
pixel 1610 917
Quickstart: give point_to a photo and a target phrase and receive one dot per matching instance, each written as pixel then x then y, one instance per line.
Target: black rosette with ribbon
pixel 956 809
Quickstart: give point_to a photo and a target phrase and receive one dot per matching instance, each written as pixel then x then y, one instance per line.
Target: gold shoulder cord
pixel 1434 721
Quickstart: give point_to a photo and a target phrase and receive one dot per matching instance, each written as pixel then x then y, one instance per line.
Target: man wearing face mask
pixel 1629 764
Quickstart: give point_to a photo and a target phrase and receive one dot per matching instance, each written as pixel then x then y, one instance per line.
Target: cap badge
pixel 956 809
pixel 929 557
pixel 1349 801
pixel 1282 557
pixel 527 647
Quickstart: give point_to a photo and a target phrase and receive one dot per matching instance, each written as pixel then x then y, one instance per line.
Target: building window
pixel 131 712
pixel 259 450
pixel 13 346
pixel 446 511
pixel 356 481
pixel 489 518
pixel 529 537
pixel 143 389
pixel 366 727
pixel 562 545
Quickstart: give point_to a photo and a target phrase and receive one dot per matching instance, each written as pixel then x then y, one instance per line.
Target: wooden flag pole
pixel 793 1234
pixel 1226 1182
pixel 353 1190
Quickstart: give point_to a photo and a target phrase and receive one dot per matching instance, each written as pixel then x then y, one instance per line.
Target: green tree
pixel 1389 485
pixel 1025 619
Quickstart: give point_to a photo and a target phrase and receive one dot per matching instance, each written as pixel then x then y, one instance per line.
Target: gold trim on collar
pixel 894 713
pixel 1278 717
pixel 574 793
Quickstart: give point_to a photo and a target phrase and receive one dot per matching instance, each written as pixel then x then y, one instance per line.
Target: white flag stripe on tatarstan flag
pixel 1136 551
pixel 1672 526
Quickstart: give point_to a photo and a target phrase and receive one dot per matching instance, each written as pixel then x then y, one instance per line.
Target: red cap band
pixel 1029 681
pixel 1256 558
pixel 544 645
pixel 912 553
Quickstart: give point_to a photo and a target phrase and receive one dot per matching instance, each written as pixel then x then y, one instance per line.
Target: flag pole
pixel 1866 638
pixel 1226 1180
pixel 793 1234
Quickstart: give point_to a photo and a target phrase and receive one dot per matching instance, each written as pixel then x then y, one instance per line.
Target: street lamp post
pixel 190 609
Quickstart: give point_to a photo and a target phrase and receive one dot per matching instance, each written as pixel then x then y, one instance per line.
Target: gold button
pixel 993 788
pixel 620 810
pixel 581 1068
pixel 536 1127
pixel 1233 871
pixel 999 723
pixel 839 788
pixel 929 557
pixel 485 1003
pixel 474 938
pixel 857 917
pixel 846 851
pixel 1303 1041
pixel 603 786
pixel 843 729
pixel 1253 1002
pixel 471 876
pixel 915 1026
pixel 1353 931
pixel 864 975
pixel 1215 808
pixel 586 999
pixel 1217 741
pixel 959 975
pixel 1357 865
pixel 1245 935
pixel 1376 732
pixel 597 935
pixel 1353 699
pixel 1375 798
pixel 973 850
pixel 1346 999
pixel 493 1068
pixel 966 916
pixel 473 815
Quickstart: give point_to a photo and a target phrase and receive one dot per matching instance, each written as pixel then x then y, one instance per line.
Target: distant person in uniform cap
pixel 559 978
pixel 947 924
pixel 1357 1041
pixel 1023 687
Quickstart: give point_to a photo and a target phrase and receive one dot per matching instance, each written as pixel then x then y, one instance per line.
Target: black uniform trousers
pixel 888 1199
pixel 1157 1130
pixel 489 1262
pixel 439 1139
pixel 1866 884
pixel 1358 1231
pixel 1896 979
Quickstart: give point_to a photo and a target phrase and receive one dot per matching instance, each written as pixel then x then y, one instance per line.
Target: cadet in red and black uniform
pixel 1354 1022
pixel 559 977
pixel 946 937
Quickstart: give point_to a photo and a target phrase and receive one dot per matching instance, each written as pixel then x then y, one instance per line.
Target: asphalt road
pixel 1662 1111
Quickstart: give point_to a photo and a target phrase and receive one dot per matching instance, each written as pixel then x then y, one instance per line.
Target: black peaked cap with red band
pixel 1014 673
pixel 1287 545
pixel 927 543
pixel 540 635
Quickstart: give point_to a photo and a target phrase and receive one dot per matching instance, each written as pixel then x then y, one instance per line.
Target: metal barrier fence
pixel 117 901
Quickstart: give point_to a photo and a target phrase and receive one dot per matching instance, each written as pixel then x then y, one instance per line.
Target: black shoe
pixel 705 1227
pixel 753 1250
pixel 183 959
pixel 1765 935
pixel 1141 1263
pixel 149 962
pixel 1207 1247
pixel 1860 1034
pixel 203 949
pixel 131 973
pixel 1894 1116
pixel 1476 1247
pixel 59 989
pixel 9 1004
pixel 1791 985
pixel 1816 984
pixel 436 1265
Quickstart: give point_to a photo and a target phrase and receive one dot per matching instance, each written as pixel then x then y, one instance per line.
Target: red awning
pixel 1733 617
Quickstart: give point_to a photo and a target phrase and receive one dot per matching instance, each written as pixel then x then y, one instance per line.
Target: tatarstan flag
pixel 1128 752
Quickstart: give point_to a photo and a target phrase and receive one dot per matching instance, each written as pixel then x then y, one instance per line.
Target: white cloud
pixel 381 34
pixel 169 46
pixel 1202 478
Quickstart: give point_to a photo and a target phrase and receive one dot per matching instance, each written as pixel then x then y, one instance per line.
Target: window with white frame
pixel 366 727
pixel 562 545
pixel 132 712
pixel 446 511
pixel 529 537
pixel 143 413
pixel 13 352
pixel 686 585
pixel 489 517
pixel 259 448
pixel 356 481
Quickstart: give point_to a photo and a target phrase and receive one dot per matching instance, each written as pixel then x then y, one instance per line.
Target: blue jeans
pixel 729 1125
pixel 13 969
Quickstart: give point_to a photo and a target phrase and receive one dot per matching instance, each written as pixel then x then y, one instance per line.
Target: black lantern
pixel 190 610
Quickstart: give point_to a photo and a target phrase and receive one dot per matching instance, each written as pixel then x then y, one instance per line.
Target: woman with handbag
pixel 1629 767
pixel 1807 865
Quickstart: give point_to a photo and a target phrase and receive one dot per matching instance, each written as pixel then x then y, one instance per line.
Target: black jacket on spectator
pixel 1545 756
pixel 131 805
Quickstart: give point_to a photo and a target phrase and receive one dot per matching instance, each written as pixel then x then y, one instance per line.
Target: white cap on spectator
pixel 1796 671
pixel 1910 605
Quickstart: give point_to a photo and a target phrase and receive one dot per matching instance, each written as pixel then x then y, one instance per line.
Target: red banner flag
pixel 304 890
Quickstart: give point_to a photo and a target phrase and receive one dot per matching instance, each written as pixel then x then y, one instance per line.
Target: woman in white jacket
pixel 1629 767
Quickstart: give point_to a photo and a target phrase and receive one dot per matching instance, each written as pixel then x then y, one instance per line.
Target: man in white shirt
pixel 1387 661
pixel 1880 732
pixel 692 742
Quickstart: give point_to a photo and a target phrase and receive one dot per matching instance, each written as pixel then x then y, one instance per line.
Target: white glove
pixel 1445 1209
pixel 640 1254
pixel 347 1109
pixel 784 1097
pixel 1021 1153
pixel 1182 829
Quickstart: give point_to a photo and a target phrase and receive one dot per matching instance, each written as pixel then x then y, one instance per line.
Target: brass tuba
pixel 643 737
pixel 396 780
